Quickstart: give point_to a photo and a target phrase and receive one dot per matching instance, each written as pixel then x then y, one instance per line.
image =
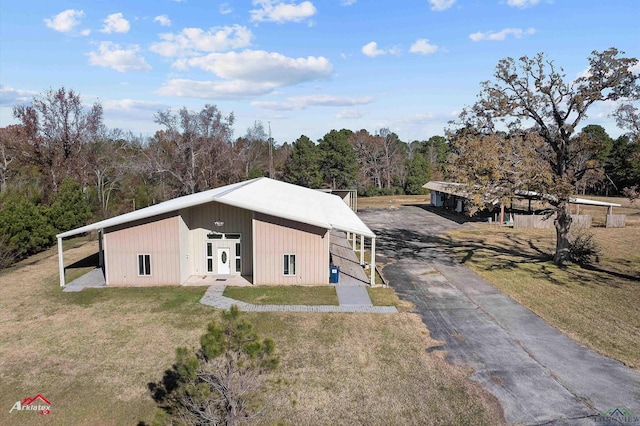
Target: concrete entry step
pixel 353 296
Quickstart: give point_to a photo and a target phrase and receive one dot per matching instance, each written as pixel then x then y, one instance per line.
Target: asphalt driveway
pixel 538 374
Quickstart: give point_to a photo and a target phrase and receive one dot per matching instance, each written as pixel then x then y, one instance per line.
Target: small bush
pixel 583 250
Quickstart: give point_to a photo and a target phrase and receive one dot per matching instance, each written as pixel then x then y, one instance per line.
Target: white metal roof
pixel 262 195
pixel 455 188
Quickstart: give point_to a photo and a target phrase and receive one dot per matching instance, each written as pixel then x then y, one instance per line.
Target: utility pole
pixel 270 152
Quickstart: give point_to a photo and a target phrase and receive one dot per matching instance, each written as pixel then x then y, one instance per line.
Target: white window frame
pixel 237 257
pixel 290 256
pixel 144 255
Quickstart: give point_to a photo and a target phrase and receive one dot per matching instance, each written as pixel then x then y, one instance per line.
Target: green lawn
pixel 284 295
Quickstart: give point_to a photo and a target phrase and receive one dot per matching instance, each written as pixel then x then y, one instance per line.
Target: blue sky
pixel 304 66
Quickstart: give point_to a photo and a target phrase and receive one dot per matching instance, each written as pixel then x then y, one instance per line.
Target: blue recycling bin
pixel 334 274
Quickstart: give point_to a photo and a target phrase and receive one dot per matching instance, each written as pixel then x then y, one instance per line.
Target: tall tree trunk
pixel 563 226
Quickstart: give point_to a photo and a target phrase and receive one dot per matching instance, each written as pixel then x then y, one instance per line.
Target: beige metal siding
pixel 275 237
pixel 185 264
pixel 157 237
pixel 201 220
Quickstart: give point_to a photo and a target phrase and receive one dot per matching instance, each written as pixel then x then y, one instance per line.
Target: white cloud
pixel 225 9
pixel 11 96
pixel 115 23
pixel 371 50
pixel 501 35
pixel 348 2
pixel 214 89
pixel 131 104
pixel 422 47
pixel 261 66
pixel 246 74
pixel 280 12
pixel 350 114
pixel 111 55
pixel 65 21
pixel 193 40
pixel 439 5
pixel 163 20
pixel 303 102
pixel 522 3
pixel 85 32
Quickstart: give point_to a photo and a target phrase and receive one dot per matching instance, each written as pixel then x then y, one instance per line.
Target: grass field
pixel 93 353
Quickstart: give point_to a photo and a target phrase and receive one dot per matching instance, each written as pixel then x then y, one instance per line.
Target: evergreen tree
pixel 220 383
pixel 24 226
pixel 418 173
pixel 303 166
pixel 339 164
pixel 69 208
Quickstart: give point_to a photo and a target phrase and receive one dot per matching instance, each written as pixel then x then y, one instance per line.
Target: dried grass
pixel 93 353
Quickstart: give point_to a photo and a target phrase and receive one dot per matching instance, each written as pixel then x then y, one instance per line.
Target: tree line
pixel 61 166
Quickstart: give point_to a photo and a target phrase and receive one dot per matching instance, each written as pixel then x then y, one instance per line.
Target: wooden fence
pixel 522 221
pixel 615 220
pixel 526 221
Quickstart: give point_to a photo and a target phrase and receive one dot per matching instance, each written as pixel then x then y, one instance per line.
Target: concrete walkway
pixel 213 297
pixel 92 279
pixel 343 256
pixel 353 296
pixel 538 374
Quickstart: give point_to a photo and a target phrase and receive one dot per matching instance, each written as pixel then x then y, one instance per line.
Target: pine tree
pixel 418 173
pixel 220 383
pixel 339 165
pixel 303 166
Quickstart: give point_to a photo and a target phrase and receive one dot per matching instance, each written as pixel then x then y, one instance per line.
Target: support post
pixel 373 261
pixel 361 250
pixel 100 251
pixel 61 262
pixel 610 210
pixel 501 214
pixel 353 243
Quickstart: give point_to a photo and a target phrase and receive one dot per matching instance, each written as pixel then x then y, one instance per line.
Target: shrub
pixel 583 250
pixel 24 226
pixel 223 382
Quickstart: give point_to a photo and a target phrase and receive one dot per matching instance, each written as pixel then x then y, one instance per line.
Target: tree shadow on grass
pixel 515 253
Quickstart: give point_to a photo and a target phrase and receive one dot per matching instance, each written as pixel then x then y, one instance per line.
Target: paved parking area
pixel 538 374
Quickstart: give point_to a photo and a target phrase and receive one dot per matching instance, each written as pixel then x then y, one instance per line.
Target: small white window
pixel 289 264
pixel 144 264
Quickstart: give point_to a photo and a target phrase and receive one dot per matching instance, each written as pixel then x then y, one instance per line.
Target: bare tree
pixel 369 153
pixel 393 159
pixel 533 93
pixel 194 149
pixel 57 126
pixel 9 152
pixel 628 117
